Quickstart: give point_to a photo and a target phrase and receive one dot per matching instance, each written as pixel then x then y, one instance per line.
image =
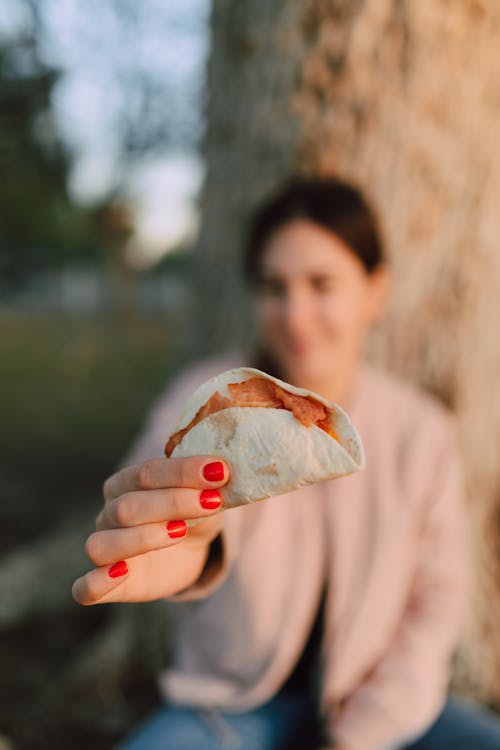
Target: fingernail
pixel 176 529
pixel 214 472
pixel 210 499
pixel 118 569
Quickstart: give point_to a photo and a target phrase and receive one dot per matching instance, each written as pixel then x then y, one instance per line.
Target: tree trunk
pixel 402 97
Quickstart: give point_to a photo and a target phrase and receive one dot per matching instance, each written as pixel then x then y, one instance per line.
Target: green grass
pixel 73 392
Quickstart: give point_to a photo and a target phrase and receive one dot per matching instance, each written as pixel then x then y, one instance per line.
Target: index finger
pixel 195 472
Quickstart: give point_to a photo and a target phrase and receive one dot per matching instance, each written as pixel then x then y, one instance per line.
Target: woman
pixel 326 617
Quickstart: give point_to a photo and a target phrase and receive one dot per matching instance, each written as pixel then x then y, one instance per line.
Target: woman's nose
pixel 296 312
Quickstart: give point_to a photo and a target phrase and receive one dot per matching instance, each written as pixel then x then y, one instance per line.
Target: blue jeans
pixel 288 723
pixel 461 726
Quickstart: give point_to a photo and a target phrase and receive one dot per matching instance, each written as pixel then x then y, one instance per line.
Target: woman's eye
pixel 323 284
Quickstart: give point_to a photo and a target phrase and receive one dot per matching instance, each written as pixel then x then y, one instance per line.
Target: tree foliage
pixel 134 68
pixel 40 227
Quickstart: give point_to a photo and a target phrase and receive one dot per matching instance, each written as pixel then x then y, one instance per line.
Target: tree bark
pixel 402 97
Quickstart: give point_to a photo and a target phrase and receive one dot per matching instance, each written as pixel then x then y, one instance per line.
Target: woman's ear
pixel 380 286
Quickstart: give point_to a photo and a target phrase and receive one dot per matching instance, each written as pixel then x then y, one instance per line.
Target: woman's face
pixel 315 303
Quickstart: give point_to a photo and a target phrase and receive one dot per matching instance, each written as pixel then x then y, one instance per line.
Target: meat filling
pixel 263 393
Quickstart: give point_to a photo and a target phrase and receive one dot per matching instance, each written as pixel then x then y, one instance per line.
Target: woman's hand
pixel 143 547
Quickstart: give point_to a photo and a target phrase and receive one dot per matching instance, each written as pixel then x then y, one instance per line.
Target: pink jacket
pixel 388 542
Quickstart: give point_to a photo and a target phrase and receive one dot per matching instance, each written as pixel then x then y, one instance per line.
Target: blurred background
pixel 134 139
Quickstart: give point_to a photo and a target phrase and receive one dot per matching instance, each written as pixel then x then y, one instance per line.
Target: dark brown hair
pixel 328 202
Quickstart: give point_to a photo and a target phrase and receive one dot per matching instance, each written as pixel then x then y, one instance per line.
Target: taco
pixel 275 437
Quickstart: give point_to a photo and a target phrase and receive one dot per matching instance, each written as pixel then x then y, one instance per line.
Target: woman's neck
pixel 339 389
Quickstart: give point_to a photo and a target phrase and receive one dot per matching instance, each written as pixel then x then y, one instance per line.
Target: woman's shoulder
pixel 403 403
pixel 196 372
pixel 164 412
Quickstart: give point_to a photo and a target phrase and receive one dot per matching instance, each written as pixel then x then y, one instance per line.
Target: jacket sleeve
pixel 405 691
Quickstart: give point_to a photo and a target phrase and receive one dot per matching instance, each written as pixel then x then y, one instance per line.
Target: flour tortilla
pixel 268 451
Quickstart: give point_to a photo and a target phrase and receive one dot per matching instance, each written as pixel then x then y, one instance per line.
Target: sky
pixel 108 50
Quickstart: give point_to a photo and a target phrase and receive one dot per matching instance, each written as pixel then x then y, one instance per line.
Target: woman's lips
pixel 299 348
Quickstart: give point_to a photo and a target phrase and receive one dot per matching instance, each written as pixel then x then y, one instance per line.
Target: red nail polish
pixel 118 569
pixel 176 529
pixel 214 472
pixel 210 499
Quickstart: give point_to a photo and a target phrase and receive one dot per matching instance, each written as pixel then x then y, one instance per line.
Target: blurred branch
pixel 36 579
